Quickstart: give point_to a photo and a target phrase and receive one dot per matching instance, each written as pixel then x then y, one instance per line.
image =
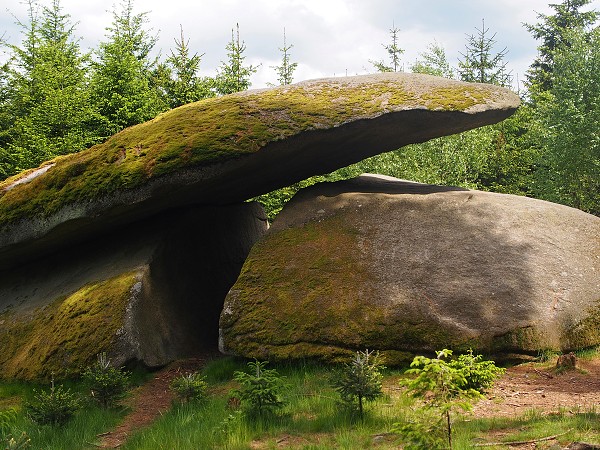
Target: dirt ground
pixel 522 388
pixel 531 386
pixel 149 401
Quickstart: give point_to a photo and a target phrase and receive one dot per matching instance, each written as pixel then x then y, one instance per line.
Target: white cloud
pixel 329 36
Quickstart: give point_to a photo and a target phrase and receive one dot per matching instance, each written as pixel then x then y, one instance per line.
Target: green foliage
pixel 285 72
pixel 569 118
pixel 360 380
pixel 6 418
pixel 189 387
pixel 554 31
pixel 107 385
pixel 123 92
pixel 480 64
pixel 45 94
pixel 7 440
pixel 77 433
pixel 53 407
pixel 260 389
pixel 479 374
pixel 179 76
pixel 441 383
pixel 233 75
pixel 423 430
pixel 434 62
pixel 447 386
pixel 394 52
pixel 23 441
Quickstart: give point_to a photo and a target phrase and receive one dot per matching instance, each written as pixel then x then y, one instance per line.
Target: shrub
pixel 479 374
pixel 447 386
pixel 52 407
pixel 107 384
pixel 423 430
pixel 260 389
pixel 360 380
pixel 191 386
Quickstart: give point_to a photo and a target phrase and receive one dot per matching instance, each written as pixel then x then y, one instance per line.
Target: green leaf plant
pixel 446 387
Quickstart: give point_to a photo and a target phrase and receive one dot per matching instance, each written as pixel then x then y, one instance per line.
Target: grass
pixel 80 432
pixel 312 419
pixel 567 426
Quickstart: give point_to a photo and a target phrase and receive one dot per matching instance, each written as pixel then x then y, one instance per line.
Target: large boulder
pixel 130 247
pixel 405 268
pixel 151 293
pixel 228 149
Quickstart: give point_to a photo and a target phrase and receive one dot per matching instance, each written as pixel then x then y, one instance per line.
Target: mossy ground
pixel 66 335
pixel 215 130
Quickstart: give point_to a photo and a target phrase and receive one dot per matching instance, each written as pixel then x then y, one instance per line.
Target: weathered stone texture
pixel 151 292
pixel 384 264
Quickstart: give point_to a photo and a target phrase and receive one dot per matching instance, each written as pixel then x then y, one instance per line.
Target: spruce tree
pixel 123 87
pixel 554 31
pixel 285 72
pixel 45 96
pixel 394 52
pixel 181 81
pixel 233 75
pixel 480 63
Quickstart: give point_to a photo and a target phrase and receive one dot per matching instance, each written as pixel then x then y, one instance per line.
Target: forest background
pixel 56 99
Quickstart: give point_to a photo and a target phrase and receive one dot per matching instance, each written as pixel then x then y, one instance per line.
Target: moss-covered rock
pixel 402 267
pixel 63 336
pixel 152 292
pixel 232 148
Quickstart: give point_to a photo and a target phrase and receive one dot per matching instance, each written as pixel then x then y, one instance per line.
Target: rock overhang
pixel 229 149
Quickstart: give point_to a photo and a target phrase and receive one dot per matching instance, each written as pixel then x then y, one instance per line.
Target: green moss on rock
pixel 219 129
pixel 584 333
pixel 316 304
pixel 526 339
pixel 361 264
pixel 66 335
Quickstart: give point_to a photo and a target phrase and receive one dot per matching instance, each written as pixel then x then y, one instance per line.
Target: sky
pixel 329 37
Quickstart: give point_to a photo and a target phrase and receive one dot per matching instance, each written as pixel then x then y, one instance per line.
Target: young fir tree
pixel 554 32
pixel 434 62
pixel 179 76
pixel 394 52
pixel 45 96
pixel 480 63
pixel 285 72
pixel 122 83
pixel 233 75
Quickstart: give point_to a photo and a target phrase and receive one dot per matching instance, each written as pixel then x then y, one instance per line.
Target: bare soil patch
pixel 149 401
pixel 535 386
